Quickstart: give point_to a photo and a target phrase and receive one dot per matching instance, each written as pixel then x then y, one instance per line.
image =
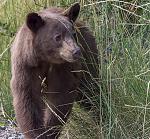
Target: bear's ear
pixel 34 22
pixel 72 12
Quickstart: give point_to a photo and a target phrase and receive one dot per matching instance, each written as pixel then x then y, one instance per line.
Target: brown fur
pixel 43 86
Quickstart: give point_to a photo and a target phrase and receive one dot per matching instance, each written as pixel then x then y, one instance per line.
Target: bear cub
pixel 46 65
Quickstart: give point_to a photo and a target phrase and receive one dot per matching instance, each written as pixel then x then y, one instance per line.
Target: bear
pixel 46 67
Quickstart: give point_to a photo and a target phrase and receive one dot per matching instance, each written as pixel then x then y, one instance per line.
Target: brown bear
pixel 46 69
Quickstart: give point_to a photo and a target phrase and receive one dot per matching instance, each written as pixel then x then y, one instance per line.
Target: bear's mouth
pixel 69 59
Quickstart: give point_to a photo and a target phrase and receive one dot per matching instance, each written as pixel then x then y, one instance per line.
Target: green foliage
pixel 121 96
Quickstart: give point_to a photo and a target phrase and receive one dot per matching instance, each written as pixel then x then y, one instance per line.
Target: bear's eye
pixel 58 37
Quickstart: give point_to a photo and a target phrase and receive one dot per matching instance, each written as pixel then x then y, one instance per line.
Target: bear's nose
pixel 77 53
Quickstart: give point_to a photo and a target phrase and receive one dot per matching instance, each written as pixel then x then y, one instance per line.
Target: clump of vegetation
pixel 121 94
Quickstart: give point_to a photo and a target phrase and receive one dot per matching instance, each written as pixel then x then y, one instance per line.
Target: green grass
pixel 122 94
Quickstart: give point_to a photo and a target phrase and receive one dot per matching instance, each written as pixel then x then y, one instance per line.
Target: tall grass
pixel 122 95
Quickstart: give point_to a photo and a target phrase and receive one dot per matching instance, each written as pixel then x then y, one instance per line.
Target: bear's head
pixel 54 35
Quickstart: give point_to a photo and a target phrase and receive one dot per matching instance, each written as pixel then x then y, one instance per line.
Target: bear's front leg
pixel 57 113
pixel 29 116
